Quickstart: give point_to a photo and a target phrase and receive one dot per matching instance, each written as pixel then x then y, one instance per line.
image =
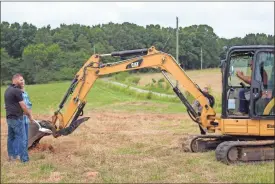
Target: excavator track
pixel 202 143
pixel 232 152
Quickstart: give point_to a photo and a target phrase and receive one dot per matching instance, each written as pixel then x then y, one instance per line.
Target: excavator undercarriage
pixel 231 149
pixel 234 138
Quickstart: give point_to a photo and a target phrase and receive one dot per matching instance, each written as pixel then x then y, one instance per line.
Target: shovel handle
pixel 37 124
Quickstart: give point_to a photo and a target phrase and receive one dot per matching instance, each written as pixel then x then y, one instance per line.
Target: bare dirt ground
pixel 126 147
pixel 105 136
pixel 105 123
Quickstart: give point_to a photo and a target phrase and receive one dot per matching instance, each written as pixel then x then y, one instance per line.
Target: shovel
pixel 41 129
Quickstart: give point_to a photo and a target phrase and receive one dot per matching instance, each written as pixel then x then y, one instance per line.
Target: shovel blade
pixel 35 134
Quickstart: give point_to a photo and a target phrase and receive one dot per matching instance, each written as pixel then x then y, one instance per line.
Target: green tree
pixel 43 35
pixel 14 37
pixel 9 66
pixel 57 54
pixel 40 62
pixel 83 44
pixel 64 37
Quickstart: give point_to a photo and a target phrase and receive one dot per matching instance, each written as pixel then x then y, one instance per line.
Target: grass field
pixel 46 98
pixel 198 76
pixel 129 138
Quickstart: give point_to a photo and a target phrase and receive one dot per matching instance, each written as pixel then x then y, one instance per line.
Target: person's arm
pixel 29 102
pixel 30 111
pixel 246 79
pixel 19 98
pixel 26 110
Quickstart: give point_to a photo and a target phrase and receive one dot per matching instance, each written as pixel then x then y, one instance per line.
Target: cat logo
pixel 134 64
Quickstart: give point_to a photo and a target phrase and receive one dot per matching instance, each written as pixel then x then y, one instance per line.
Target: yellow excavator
pixel 243 133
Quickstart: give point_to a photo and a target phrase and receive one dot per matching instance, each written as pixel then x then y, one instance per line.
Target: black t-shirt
pixel 13 95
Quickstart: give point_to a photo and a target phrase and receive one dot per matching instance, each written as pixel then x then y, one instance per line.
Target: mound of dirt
pixel 42 147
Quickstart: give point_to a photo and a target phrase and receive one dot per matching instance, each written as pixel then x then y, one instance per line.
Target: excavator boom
pixel 93 69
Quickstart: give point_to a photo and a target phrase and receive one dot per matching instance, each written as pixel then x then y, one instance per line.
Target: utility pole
pixel 177 38
pixel 201 58
pixel 177 44
pixel 94 49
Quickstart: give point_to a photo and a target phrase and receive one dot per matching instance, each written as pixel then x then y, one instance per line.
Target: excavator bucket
pixel 44 128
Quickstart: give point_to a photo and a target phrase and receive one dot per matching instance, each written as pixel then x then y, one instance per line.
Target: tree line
pixel 45 54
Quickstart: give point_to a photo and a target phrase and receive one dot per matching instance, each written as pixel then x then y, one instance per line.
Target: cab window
pixel 264 73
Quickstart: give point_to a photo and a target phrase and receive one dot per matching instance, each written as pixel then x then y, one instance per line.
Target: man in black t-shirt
pixel 15 107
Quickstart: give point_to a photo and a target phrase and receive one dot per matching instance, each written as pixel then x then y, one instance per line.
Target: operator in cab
pixel 244 101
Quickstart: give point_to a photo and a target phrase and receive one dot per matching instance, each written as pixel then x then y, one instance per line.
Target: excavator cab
pixel 250 96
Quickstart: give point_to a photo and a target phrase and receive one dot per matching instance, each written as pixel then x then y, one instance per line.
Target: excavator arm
pixel 67 122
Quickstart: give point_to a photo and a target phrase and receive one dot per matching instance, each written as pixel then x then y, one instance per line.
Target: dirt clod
pixel 91 174
pixel 55 177
pixel 42 147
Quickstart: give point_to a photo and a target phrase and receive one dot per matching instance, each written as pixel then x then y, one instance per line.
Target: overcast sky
pixel 228 19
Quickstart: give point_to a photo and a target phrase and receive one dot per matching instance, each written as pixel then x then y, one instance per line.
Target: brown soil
pixel 102 123
pixel 42 147
pixel 55 177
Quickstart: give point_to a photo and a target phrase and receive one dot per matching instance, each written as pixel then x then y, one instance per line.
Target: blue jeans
pixel 244 104
pixel 16 142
